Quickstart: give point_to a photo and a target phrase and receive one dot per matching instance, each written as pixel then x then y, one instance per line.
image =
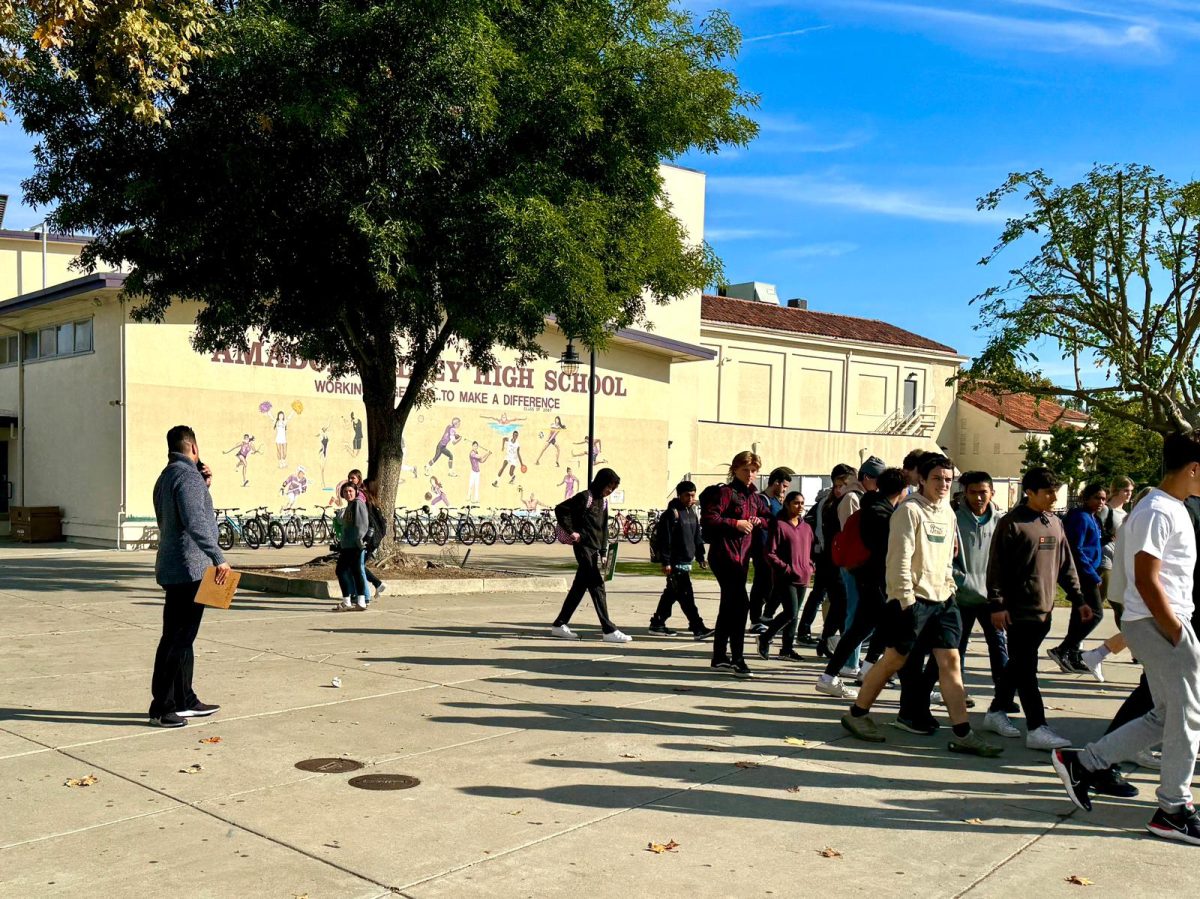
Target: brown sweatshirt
pixel 1028 558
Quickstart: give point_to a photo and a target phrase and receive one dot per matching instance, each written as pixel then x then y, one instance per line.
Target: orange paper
pixel 219 596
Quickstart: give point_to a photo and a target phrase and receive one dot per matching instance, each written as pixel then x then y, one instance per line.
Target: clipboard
pixel 219 596
pixel 611 568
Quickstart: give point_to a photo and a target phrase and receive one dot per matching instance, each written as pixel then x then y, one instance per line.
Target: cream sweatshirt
pixel 920 558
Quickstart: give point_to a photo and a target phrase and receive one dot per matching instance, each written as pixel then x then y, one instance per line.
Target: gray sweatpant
pixel 1173 673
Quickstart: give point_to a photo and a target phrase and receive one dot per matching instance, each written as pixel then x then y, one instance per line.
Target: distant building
pixel 992 429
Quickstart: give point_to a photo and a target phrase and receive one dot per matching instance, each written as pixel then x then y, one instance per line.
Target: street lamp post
pixel 569 362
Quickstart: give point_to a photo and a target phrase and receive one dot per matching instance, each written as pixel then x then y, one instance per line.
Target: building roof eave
pixel 67 290
pixel 948 357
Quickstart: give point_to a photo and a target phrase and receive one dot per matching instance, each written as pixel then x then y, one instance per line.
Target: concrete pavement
pixel 546 767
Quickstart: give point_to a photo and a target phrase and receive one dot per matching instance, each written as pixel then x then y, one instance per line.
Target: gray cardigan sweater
pixel 187 530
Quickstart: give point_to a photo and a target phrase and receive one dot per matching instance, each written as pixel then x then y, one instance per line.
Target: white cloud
pixel 728 234
pixel 795 32
pixel 832 191
pixel 814 250
pixel 804 137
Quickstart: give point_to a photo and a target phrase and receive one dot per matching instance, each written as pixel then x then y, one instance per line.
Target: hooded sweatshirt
pixel 1029 556
pixel 874 524
pixel 1083 534
pixel 682 544
pixel 586 513
pixel 974 547
pixel 720 511
pixel 789 551
pixel 920 551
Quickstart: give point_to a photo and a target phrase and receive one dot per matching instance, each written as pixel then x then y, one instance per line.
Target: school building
pixel 87 394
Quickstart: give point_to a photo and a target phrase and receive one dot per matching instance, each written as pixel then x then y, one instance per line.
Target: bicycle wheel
pixel 291 530
pixel 414 533
pixel 487 533
pixel 225 535
pixel 508 533
pixel 614 529
pixel 528 532
pixel 547 532
pixel 465 533
pixel 252 533
pixel 635 531
pixel 439 532
pixel 276 535
pixel 307 537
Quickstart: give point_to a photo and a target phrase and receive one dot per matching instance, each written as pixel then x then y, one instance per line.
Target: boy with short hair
pixel 681 548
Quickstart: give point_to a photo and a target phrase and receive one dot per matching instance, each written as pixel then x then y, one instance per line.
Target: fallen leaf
pixel 660 848
pixel 829 852
pixel 80 781
pixel 795 741
pixel 1079 881
pixel 795 789
pixel 626 755
pixel 192 769
pixel 972 820
pixel 211 740
pixel 517 812
pixel 747 765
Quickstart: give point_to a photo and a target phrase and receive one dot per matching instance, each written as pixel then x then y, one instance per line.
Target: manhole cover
pixel 383 782
pixel 329 766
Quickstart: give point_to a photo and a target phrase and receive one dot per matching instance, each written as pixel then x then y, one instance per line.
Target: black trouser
pixel 1136 704
pixel 812 605
pixel 679 589
pixel 1077 628
pixel 760 588
pixel 171 683
pixel 372 577
pixel 997 644
pixel 731 617
pixel 788 597
pixel 588 579
pixel 872 595
pixel 835 617
pixel 1021 673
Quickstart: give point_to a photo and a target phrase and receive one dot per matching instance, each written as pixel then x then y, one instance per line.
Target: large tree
pixel 1111 282
pixel 367 184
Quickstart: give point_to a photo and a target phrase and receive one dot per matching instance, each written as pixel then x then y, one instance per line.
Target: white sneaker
pixel 1094 663
pixel 833 686
pixel 379 591
pixel 1149 758
pixel 362 604
pixel 561 630
pixel 999 723
pixel 1045 738
pixel 849 673
pixel 832 643
pixel 935 698
pixel 617 637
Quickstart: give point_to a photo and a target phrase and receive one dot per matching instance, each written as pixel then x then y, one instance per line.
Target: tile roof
pixel 756 314
pixel 1024 411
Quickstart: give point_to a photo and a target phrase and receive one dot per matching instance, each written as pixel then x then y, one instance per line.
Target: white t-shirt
pixel 1161 527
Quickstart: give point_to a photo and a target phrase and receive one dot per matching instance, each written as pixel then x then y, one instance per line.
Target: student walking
pixel 867 481
pixel 779 482
pixel 730 514
pixel 681 548
pixel 369 493
pixel 1155 563
pixel 1028 558
pixel 824 571
pixel 920 611
pixel 584 517
pixel 789 553
pixel 187 546
pixel 1087 548
pixel 1111 517
pixel 352 551
pixel 835 614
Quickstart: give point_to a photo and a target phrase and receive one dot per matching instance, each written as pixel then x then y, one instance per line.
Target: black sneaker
pixel 1059 658
pixel 1075 663
pixel 921 727
pixel 822 649
pixel 1110 782
pixel 703 634
pixel 1183 825
pixel 662 630
pixel 790 656
pixel 970 702
pixel 170 719
pixel 199 710
pixel 764 647
pixel 807 640
pixel 741 669
pixel 757 629
pixel 1074 776
pixel 721 664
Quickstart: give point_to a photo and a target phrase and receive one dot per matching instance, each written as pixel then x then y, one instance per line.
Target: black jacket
pixel 875 516
pixel 681 542
pixel 590 523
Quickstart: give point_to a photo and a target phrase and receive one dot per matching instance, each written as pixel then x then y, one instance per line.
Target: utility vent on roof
pixel 3 206
pixel 797 303
pixel 751 290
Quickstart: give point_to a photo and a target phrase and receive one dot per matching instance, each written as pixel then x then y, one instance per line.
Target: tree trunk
pixel 385 444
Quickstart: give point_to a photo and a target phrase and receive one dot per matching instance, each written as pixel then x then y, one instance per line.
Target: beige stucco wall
pixel 21 265
pixel 989 444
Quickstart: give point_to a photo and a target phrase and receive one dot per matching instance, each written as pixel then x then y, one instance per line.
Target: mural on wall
pixel 551 441
pixel 293 487
pixel 280 422
pixel 245 449
pixel 570 483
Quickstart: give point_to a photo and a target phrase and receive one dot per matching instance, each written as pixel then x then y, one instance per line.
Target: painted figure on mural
pixel 477 456
pixel 293 486
pixel 529 503
pixel 450 436
pixel 512 459
pixel 596 460
pixel 436 494
pixel 280 423
pixel 569 483
pixel 403 467
pixel 502 425
pixel 552 441
pixel 245 449
pixel 356 439
pixel 323 451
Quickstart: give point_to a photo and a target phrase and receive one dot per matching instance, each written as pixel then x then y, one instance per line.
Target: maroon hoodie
pixel 719 516
pixel 789 552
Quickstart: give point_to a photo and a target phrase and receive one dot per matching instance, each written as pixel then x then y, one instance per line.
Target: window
pixel 8 350
pixel 67 339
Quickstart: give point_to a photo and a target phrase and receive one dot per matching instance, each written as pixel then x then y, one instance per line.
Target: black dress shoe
pixel 199 710
pixel 807 640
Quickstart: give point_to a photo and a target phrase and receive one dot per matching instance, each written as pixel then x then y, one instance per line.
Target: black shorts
pixel 924 624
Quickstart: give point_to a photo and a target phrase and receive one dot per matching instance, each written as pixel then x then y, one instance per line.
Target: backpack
pixel 849 550
pixel 378 529
pixel 658 537
pixel 709 496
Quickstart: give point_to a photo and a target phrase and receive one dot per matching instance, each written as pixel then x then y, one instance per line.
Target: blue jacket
pixel 1083 536
pixel 763 537
pixel 971 561
pixel 187 529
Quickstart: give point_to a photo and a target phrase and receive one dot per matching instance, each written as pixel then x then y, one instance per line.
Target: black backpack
pixel 658 536
pixel 378 526
pixel 710 495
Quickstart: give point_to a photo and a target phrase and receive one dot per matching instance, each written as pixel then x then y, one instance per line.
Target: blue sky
pixel 883 122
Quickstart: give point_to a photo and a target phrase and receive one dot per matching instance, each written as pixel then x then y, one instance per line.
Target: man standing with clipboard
pixel 187 546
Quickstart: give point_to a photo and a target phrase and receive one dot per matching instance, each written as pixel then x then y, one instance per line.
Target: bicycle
pixel 290 527
pixel 468 528
pixel 230 529
pixel 625 526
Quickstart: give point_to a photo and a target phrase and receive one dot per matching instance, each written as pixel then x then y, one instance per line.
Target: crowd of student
pixel 905 574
